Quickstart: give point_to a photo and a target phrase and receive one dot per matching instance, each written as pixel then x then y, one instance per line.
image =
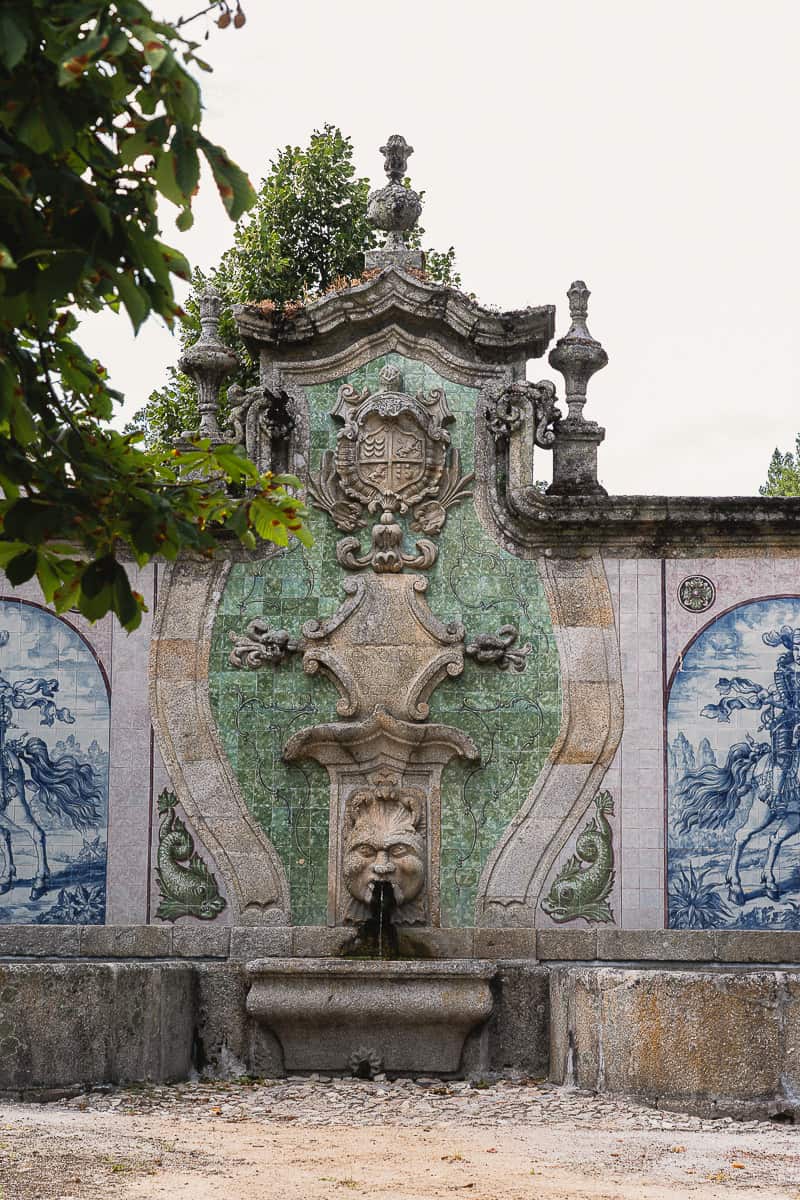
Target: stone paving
pixel 321 1100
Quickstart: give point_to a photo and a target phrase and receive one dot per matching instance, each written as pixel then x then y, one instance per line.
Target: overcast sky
pixel 648 148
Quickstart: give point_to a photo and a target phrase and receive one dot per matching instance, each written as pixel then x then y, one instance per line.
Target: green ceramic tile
pixel 514 718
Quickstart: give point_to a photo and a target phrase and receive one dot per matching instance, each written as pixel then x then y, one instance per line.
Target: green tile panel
pixel 513 718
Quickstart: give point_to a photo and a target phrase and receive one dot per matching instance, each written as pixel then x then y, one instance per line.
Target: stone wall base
pixel 71 1025
pixel 709 1042
pixel 67 1025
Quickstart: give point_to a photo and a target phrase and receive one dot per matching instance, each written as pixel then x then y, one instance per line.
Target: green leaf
pixel 21 568
pixel 185 220
pixel 166 181
pixel 6 258
pixel 33 131
pixel 175 261
pixel 103 214
pixel 23 426
pixel 138 144
pixel 268 521
pixel 133 298
pixel 49 578
pixel 66 596
pixel 30 520
pixel 154 48
pixel 10 550
pixel 98 576
pixel 187 163
pixel 13 39
pixel 234 187
pixel 96 605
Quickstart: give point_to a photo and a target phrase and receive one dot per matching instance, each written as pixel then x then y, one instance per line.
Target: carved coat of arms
pixel 392 455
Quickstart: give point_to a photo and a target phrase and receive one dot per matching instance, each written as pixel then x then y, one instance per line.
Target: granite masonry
pixel 491 777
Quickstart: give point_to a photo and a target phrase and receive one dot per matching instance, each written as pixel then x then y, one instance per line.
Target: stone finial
pixel 577 356
pixel 396 154
pixel 394 209
pixel 578 295
pixel 207 363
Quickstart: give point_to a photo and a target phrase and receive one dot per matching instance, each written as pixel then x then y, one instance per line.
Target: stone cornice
pixel 651 526
pixel 398 296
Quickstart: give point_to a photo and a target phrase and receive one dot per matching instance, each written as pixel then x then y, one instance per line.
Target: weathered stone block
pixel 665 945
pixel 201 941
pixel 317 941
pixel 568 944
pixel 518 1030
pixel 707 1042
pixel 505 943
pixel 260 942
pixel 762 946
pixel 39 941
pixel 435 943
pixel 126 941
pixel 116 1022
pixel 222 1028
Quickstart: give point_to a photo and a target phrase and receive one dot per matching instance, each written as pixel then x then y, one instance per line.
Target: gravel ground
pixel 408 1140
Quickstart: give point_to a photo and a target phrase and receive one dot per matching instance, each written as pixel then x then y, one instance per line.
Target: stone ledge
pixel 40 941
pixel 257 942
pixel 125 941
pixel 668 945
pixel 653 526
pixel 201 941
pixel 242 943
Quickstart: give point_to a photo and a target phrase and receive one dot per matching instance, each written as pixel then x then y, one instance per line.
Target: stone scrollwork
pixel 506 412
pixel 258 418
pixel 261 646
pixel 392 456
pixel 496 649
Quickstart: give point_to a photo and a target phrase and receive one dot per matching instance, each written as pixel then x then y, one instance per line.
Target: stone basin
pixel 409 1014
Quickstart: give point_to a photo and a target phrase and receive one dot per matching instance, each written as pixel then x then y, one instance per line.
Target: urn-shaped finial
pixel 207 363
pixel 396 154
pixel 394 208
pixel 577 356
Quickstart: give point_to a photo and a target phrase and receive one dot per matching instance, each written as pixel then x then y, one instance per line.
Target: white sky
pixel 648 148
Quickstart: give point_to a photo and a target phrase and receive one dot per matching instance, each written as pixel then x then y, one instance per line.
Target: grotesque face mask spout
pixel 384 859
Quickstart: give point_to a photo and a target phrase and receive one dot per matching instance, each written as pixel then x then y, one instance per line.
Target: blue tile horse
pixel 64 787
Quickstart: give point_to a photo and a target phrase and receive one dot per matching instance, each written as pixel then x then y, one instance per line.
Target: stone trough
pixel 398 1015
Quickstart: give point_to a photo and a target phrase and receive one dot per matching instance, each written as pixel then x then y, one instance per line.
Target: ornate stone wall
pixel 513 717
pixel 485 707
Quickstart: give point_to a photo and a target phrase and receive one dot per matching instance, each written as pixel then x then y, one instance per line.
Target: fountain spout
pixel 377 936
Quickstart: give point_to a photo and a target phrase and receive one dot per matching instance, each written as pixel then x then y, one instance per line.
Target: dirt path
pixel 230 1143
